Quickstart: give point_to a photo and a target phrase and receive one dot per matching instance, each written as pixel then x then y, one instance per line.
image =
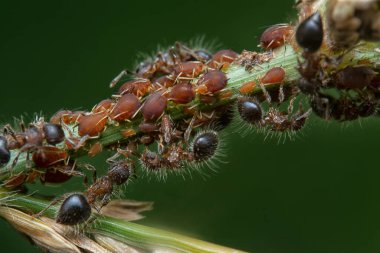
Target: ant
pixel 32 138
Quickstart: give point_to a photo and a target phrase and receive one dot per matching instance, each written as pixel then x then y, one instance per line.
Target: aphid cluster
pixel 176 79
pixel 356 95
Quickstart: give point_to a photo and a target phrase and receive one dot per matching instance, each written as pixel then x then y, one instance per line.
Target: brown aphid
pixel 247 87
pixel 146 140
pixel 274 75
pixel 67 117
pixel 16 180
pixel 355 77
pixel 46 156
pixel 147 127
pixel 164 81
pixel 104 105
pixel 92 124
pixel 154 106
pixel 138 87
pixel 127 133
pixel 223 59
pixel 125 108
pixel 95 149
pixel 276 36
pixel 214 81
pixel 151 160
pixel 61 116
pixel 54 176
pixel 182 93
pixel 189 69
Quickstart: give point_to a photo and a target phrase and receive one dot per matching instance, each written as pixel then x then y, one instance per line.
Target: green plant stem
pixel 284 57
pixel 127 232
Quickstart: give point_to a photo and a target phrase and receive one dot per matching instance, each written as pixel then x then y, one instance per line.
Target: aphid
pixel 202 55
pixel 323 105
pixel 154 106
pixel 354 77
pixel 308 87
pixel 182 93
pixel 205 145
pixel 46 156
pixel 247 87
pixel 125 108
pixel 74 210
pixel 151 160
pixel 309 34
pixel 189 69
pixel 5 154
pixel 92 124
pixel 62 172
pixel 119 172
pixel 53 133
pixel 275 36
pixel 95 149
pixel 279 121
pixel 127 133
pixel 224 118
pixel 250 110
pixel 223 59
pixel 104 105
pixel 148 128
pixel 164 81
pixel 67 117
pixel 54 176
pixel 138 87
pixel 212 82
pixel 274 75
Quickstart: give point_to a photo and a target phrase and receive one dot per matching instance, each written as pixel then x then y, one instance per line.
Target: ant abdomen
pixel 250 110
pixel 74 210
pixel 309 34
pixel 205 145
pixel 5 154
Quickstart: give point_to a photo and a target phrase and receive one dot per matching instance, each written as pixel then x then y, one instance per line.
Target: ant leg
pixel 281 95
pixel 118 78
pixel 189 129
pixel 106 199
pixel 266 94
pixel 40 213
pixel 291 106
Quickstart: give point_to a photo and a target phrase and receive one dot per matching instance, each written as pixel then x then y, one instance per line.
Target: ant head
pixel 53 133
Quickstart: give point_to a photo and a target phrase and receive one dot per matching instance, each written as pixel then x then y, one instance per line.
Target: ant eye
pixel 250 110
pixel 205 145
pixel 53 133
pixel 5 155
pixel 309 33
pixel 75 209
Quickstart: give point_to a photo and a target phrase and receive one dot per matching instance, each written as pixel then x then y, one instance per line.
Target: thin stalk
pixel 127 232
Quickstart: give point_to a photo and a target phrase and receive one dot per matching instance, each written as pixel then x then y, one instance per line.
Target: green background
pixel 318 194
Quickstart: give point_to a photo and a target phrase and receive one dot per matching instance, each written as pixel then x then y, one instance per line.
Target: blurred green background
pixel 318 194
